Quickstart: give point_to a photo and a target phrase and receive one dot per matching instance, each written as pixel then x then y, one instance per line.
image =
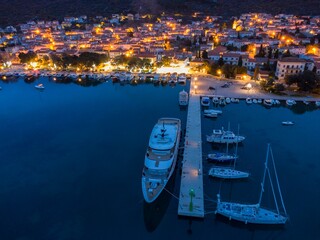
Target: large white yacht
pixel 161 157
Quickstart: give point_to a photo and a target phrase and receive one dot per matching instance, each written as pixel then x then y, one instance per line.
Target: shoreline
pixel 207 85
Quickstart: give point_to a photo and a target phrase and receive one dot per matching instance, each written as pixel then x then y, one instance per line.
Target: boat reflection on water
pixel 154 212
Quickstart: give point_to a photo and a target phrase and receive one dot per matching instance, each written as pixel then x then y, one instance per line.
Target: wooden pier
pixel 191 201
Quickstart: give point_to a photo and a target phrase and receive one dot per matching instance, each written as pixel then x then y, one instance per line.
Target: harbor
pixel 77 156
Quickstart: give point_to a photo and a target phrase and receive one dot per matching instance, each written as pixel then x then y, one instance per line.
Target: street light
pixel 195 89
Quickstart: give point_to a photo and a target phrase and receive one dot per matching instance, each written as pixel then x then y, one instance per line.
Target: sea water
pixel 71 159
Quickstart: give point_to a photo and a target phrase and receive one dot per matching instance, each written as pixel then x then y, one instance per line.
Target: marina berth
pixel 161 157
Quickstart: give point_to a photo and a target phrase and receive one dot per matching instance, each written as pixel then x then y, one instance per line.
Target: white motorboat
pixel 161 157
pixel 254 100
pixel 222 101
pixel 248 100
pixel 228 100
pixel 317 103
pixel 254 213
pixel 268 102
pixel 39 86
pixel 183 98
pixel 182 78
pixel 211 115
pixel 205 101
pixel 213 111
pixel 290 102
pixel 221 136
pixel 287 123
pixel 259 100
pixel 215 100
pixel 277 102
pixel 227 173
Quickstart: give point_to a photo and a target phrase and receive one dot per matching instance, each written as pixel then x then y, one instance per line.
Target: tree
pixel 27 57
pixel 286 54
pixel 269 52
pixel 256 72
pixel 240 61
pixel 261 52
pixel 220 61
pixel 244 48
pixel 204 54
pixel 307 81
pixel 276 54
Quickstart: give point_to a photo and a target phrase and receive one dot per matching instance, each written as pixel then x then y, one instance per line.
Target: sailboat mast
pixel 264 175
pixel 276 176
pixel 235 159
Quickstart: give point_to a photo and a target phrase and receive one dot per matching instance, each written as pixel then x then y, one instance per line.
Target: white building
pixel 289 66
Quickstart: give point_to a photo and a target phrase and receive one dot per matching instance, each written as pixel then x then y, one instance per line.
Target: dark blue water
pixel 71 159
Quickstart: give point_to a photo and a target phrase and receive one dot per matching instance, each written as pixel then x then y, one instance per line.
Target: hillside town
pixel 258 46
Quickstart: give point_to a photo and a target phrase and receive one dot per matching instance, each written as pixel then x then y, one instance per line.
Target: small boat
pixel 317 103
pixel 306 102
pixel 221 157
pixel 221 136
pixel 183 98
pixel 161 157
pixel 248 100
pixel 259 101
pixel 255 100
pixel 277 102
pixel 287 123
pixel 39 86
pixel 222 101
pixel 268 102
pixel 227 173
pixel 211 115
pixel 228 100
pixel 212 111
pixel 205 101
pixel 290 102
pixel 215 100
pixel 254 213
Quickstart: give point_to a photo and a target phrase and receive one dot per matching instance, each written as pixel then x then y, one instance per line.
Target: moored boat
pixel 221 157
pixel 213 111
pixel 221 136
pixel 161 157
pixel 254 213
pixel 211 115
pixel 227 173
pixel 183 98
pixel 205 101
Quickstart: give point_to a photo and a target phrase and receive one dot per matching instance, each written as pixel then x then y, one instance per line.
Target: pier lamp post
pixel 195 89
pixel 219 73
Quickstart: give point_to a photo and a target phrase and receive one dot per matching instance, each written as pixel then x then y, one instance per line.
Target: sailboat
pixel 227 172
pixel 222 157
pixel 254 213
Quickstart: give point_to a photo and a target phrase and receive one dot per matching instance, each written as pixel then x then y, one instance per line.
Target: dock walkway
pixel 191 202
